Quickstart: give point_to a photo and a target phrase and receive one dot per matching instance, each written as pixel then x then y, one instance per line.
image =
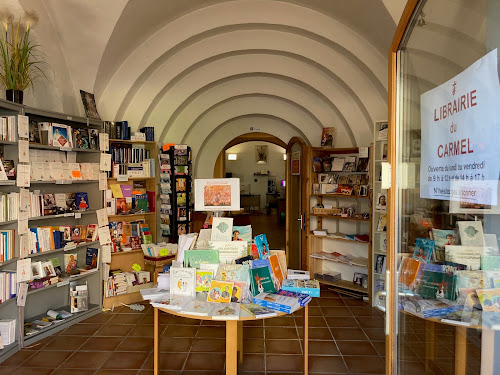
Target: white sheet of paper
pixel 104 237
pixel 23 175
pixel 23 270
pixel 22 222
pixel 363 152
pixel 24 151
pixel 103 141
pixel 24 199
pixel 71 157
pixel 24 245
pixel 103 181
pixel 22 126
pixel 102 217
pixel 21 294
pixel 105 164
pixel 106 254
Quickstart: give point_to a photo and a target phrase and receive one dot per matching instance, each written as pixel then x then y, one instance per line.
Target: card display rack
pixel 175 191
pixel 56 296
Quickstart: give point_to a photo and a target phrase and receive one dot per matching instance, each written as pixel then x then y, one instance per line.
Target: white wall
pixel 246 165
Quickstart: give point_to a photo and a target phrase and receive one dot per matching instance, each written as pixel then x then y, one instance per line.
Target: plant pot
pixel 15 96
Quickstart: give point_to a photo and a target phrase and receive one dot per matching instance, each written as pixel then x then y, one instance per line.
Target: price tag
pixel 122 178
pixel 70 246
pixel 163 252
pixel 136 267
pixel 78 215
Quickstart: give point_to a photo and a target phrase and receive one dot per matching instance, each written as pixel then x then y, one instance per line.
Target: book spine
pixel 271 305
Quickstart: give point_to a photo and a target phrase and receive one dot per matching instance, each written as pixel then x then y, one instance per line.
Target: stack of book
pixel 8 128
pixel 150 133
pixel 7 244
pixel 9 206
pixel 282 300
pixel 8 331
pixel 116 284
pixel 8 285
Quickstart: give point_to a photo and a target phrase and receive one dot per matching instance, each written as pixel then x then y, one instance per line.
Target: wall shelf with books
pixel 60 195
pixel 339 198
pixel 379 210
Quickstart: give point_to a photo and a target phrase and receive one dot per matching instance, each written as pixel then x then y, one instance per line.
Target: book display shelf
pixel 133 165
pixel 175 192
pixel 379 210
pixel 82 198
pixel 339 218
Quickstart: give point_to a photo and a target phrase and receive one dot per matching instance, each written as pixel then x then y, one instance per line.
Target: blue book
pixel 82 201
pixel 423 249
pixel 257 263
pixel 262 246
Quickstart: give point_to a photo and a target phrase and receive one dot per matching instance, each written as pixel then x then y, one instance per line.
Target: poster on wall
pixel 217 194
pixel 460 137
pixel 295 163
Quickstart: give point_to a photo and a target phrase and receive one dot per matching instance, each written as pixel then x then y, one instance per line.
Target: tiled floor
pixel 346 336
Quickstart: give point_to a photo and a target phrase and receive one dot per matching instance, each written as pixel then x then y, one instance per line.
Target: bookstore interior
pixel 128 243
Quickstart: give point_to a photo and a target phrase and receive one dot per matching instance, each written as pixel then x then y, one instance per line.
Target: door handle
pixel 300 221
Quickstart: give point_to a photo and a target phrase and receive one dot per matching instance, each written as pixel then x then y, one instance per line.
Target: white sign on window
pixel 460 135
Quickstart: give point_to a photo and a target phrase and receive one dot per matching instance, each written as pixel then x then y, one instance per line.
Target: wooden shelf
pixel 36 218
pixel 131 142
pixel 336 261
pixel 131 216
pixel 127 252
pixel 132 178
pixel 344 284
pixel 340 218
pixel 127 298
pixel 338 239
pixel 340 196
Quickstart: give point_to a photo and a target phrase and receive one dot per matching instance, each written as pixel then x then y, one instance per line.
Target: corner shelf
pixel 339 217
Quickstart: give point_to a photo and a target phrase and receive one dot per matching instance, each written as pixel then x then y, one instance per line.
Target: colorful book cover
pixel 91 257
pixel 261 281
pixel 203 280
pixel 490 262
pixel 240 292
pixel 327 137
pixel 57 265
pixel 276 270
pixel 231 311
pixel 82 201
pixel 441 238
pixel 490 299
pixel 302 299
pixel 242 233
pixel 437 285
pixel 258 311
pixel 183 281
pixel 468 255
pixel 409 271
pixel 262 246
pixel 196 258
pixel 70 262
pixel 233 272
pixel 423 249
pixel 317 164
pixel 222 229
pixel 277 302
pixel 220 291
pixel 257 263
pixel 282 259
pixel 310 287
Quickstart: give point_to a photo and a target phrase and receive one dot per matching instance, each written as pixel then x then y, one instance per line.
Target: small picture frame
pixel 89 104
pixel 34 132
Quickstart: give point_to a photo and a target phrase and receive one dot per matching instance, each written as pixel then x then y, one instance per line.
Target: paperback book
pixel 230 311
pixel 220 291
pixel 258 311
pixel 423 249
pixel 261 281
pixel 262 246
pixel 183 281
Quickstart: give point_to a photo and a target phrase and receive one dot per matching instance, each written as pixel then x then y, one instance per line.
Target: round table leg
pixel 231 347
pixel 240 341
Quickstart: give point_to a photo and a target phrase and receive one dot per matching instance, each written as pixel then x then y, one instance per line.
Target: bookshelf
pixel 379 237
pixel 341 206
pixel 124 260
pixel 54 296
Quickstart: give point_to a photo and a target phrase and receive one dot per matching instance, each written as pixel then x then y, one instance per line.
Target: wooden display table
pixel 234 337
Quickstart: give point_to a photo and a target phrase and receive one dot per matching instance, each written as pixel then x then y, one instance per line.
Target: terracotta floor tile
pixel 363 348
pixel 209 345
pixel 342 322
pixel 126 318
pixel 349 334
pixel 47 359
pixel 380 347
pixel 284 363
pixel 180 331
pixel 329 294
pixel 212 332
pixel 41 343
pixel 72 371
pixel 27 371
pixel 280 321
pixel 371 322
pixel 18 358
pixel 177 344
pixel 253 346
pixel 178 320
pixel 331 302
pixel 205 361
pixel 253 332
pixel 368 365
pixel 119 330
pixel 323 347
pixel 102 343
pixel 136 344
pixel 336 311
pixel 125 360
pixel 99 318
pixel 365 311
pixel 354 302
pixel 147 319
pixel 317 334
pixel 375 334
pixel 66 343
pixel 283 347
pixel 254 323
pixel 144 330
pixel 213 372
pixel 167 362
pixel 82 329
pixel 329 364
pixel 314 311
pixel 86 360
pixel 252 363
pixel 116 372
pixel 280 333
pixel 314 321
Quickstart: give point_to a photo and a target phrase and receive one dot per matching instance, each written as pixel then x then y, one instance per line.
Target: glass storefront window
pixel 447 151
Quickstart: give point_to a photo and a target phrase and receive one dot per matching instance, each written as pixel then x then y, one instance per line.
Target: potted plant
pixel 19 63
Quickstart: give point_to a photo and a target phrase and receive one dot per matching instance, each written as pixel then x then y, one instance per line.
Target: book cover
pixel 220 291
pixel 471 233
pixel 468 255
pixel 277 302
pixel 310 287
pixel 317 164
pixel 423 249
pixel 89 104
pixel 437 285
pixel 382 223
pixel 222 229
pixel 196 258
pixel 430 308
pixel 380 264
pixel 57 265
pixel 381 202
pixel 231 311
pixel 240 292
pixel 490 262
pixel 91 232
pixel 82 201
pixel 183 281
pixel 282 259
pixel 441 238
pixel 81 137
pixel 261 281
pixel 76 233
pixel 91 257
pixel 233 272
pixel 242 233
pixel 229 250
pixel 258 311
pixel 409 271
pixel 203 280
pixel 276 270
pixel 327 137
pixel 70 262
pixel 490 299
pixel 60 136
pixel 201 308
pixel 262 246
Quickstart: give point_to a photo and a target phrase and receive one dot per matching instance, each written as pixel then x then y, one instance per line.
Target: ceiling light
pixel 284 156
pixel 232 156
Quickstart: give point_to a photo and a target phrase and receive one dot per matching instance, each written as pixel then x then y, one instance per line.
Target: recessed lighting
pixel 232 156
pixel 284 156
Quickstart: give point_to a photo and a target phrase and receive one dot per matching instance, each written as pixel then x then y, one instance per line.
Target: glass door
pixel 444 199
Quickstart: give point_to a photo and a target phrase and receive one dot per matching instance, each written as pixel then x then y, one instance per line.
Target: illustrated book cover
pixel 231 311
pixel 468 255
pixel 327 137
pixel 183 281
pixel 261 281
pixel 437 285
pixel 220 291
pixel 262 246
pixel 222 229
pixel 423 249
pixel 471 233
pixel 203 280
pixel 441 238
